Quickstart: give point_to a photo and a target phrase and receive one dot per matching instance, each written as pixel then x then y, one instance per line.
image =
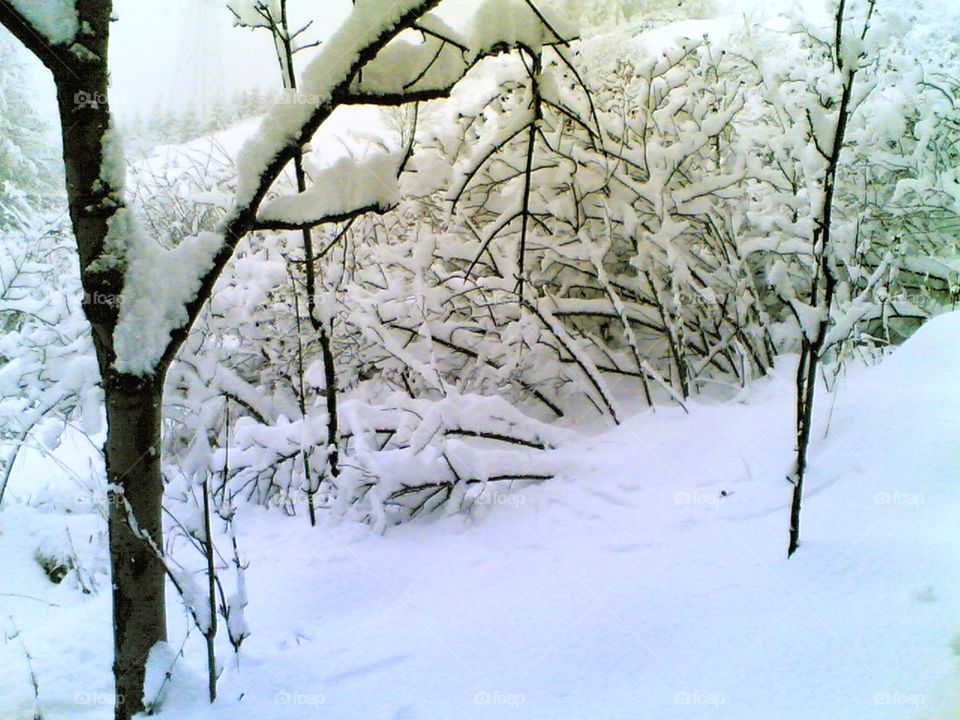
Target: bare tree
pixel 829 144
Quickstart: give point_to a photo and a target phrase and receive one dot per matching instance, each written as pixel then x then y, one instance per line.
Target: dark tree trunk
pixel 806 383
pixel 133 404
pixel 80 72
pixel 812 350
pixel 135 494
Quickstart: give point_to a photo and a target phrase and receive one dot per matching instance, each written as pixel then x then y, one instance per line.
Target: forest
pixel 463 359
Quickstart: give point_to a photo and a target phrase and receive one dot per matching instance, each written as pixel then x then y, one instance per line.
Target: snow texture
pixel 339 190
pixel 56 20
pixel 648 580
pixel 158 284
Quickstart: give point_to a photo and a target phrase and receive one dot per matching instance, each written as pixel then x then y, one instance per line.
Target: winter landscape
pixel 467 359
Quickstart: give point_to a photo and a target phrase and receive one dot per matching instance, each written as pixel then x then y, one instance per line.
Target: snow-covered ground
pixel 650 581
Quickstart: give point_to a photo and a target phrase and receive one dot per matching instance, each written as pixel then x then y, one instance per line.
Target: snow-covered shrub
pixel 402 457
pixel 574 225
pixel 48 375
pixel 593 237
pixel 892 259
pixel 47 368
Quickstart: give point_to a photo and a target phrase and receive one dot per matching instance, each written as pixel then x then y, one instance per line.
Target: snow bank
pixel 932 353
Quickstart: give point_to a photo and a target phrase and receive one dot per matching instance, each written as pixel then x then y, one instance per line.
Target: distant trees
pixel 166 124
pixel 40 318
pixel 30 173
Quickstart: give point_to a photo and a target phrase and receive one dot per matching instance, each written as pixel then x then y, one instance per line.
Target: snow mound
pixel 933 351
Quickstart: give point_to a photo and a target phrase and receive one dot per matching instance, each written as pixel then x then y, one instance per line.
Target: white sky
pixel 177 52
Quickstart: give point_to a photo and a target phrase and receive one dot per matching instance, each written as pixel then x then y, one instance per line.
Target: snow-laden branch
pixel 326 81
pixel 45 28
pixel 345 189
pixel 364 59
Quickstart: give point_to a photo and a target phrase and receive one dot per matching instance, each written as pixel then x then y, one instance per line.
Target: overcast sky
pixel 181 52
pixel 177 52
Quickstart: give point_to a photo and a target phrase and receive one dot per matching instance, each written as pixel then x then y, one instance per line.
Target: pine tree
pixel 28 170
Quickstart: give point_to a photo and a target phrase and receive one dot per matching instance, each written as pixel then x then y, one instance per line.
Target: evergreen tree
pixel 28 170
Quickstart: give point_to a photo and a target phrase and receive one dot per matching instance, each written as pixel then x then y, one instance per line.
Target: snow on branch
pixel 345 189
pixel 55 20
pixel 346 64
pixel 149 295
pixel 44 28
pixel 393 71
pixel 415 70
pixel 325 83
pixel 157 281
pixel 403 457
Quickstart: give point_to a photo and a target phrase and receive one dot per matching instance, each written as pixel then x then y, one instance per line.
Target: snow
pixel 433 63
pixel 56 20
pixel 344 187
pixel 513 23
pixel 496 23
pixel 645 579
pixel 810 318
pixel 648 580
pixel 329 69
pixel 158 283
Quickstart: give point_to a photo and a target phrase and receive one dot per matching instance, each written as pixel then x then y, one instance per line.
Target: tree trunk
pixel 806 384
pixel 135 491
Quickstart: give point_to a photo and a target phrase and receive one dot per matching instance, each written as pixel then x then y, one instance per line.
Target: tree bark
pixel 135 497
pixel 133 404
